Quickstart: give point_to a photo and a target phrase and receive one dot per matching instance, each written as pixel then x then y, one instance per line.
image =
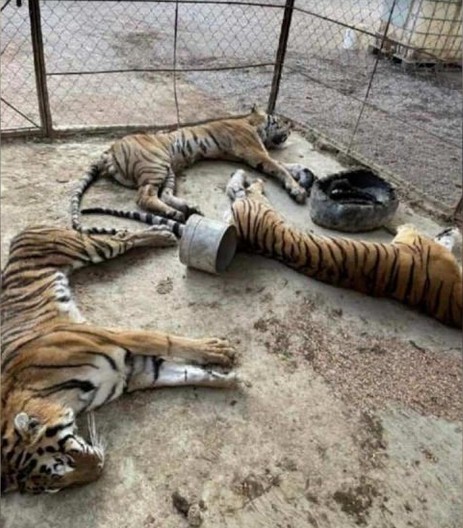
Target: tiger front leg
pixel 151 343
pixel 240 187
pixel 262 162
pixel 304 176
pixel 169 198
pixel 152 372
pixel 174 374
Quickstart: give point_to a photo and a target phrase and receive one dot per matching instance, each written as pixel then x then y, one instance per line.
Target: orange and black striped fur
pixel 56 365
pixel 413 269
pixel 150 162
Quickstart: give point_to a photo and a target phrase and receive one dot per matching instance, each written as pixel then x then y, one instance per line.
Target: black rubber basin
pixel 352 201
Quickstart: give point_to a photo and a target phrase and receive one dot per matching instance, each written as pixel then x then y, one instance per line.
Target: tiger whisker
pixel 96 441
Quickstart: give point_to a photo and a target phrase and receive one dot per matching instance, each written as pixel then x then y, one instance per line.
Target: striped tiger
pixel 413 269
pixel 150 162
pixel 55 365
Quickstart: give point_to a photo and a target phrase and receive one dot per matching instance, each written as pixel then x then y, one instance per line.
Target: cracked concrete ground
pixel 351 411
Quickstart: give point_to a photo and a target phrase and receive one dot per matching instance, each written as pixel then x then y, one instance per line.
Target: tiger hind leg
pixel 149 200
pixel 154 372
pixel 169 198
pixel 154 236
pixel 68 249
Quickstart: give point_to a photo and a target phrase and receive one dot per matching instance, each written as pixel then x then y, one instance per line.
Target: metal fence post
pixel 39 67
pixel 280 57
pixel 458 213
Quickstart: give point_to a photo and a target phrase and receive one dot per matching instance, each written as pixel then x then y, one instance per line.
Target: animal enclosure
pixel 377 79
pixel 349 413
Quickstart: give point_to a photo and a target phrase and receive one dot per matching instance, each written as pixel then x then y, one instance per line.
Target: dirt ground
pixel 349 414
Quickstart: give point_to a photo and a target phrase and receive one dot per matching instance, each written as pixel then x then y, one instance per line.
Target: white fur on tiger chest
pixel 108 377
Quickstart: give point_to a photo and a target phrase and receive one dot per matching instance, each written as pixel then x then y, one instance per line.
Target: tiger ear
pixel 255 108
pixel 27 427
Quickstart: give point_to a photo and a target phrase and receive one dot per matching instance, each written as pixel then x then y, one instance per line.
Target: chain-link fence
pixel 381 78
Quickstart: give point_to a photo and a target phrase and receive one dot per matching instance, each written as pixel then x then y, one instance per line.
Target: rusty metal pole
pixel 280 57
pixel 458 213
pixel 39 67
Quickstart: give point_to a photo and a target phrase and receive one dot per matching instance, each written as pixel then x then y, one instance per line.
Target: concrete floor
pixel 350 411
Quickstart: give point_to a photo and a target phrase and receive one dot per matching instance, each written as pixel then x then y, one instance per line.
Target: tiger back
pixel 413 269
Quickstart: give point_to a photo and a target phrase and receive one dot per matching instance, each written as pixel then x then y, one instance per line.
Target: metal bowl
pixel 208 245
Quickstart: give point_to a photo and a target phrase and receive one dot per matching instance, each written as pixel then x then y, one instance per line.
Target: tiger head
pixel 273 130
pixel 41 452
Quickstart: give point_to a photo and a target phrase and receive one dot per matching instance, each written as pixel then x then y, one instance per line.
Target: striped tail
pixel 147 218
pixel 91 176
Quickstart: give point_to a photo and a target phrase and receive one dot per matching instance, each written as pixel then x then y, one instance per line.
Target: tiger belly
pixel 187 148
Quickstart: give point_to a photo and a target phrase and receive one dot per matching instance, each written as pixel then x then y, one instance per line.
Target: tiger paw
pixel 234 381
pixel 218 351
pixel 159 236
pixel 230 380
pixel 298 194
pixel 178 216
pixel 304 176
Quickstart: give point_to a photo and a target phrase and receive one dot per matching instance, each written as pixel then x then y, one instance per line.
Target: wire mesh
pixel 378 76
pixel 19 108
pixel 402 112
pixel 110 63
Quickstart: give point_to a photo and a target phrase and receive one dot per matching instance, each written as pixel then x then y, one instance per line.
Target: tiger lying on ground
pixel 150 162
pixel 55 365
pixel 416 270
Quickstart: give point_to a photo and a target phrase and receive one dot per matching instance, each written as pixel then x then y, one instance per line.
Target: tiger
pixel 56 365
pixel 150 162
pixel 416 270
